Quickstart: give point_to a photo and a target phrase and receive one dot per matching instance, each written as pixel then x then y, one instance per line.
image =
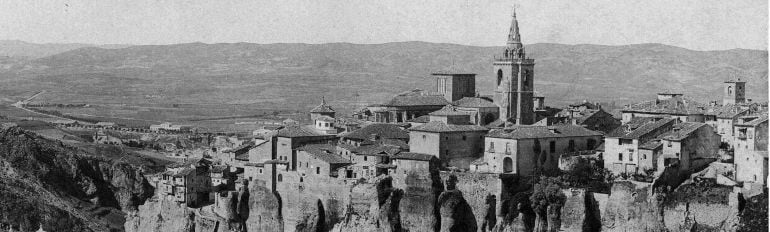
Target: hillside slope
pixel 284 74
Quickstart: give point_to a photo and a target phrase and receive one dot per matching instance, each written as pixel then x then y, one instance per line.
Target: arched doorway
pixel 507 165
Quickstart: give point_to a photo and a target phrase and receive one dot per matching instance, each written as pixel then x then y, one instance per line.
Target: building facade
pixel 514 73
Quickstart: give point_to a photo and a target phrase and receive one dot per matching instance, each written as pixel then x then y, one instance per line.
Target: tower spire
pixel 515 49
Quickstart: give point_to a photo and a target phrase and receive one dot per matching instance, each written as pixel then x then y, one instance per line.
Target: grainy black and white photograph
pixel 387 116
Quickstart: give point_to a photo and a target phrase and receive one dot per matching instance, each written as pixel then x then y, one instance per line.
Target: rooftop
pixel 421 119
pixel 682 130
pixel 474 102
pixel 637 128
pixel 382 130
pixel 324 152
pixel 415 97
pixel 322 108
pixel 651 145
pixel 448 110
pixel 753 123
pixel 530 132
pixel 414 156
pixel 291 131
pixel 676 105
pixel 726 111
pixel 438 126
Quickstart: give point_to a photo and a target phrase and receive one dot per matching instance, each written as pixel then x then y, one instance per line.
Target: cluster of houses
pixel 510 132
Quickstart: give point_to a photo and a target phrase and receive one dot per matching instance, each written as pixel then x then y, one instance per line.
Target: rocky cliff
pixel 63 188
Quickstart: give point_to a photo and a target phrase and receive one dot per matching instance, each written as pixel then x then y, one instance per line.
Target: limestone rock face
pixel 264 211
pixel 456 214
pixel 64 188
pixel 161 215
pixel 630 208
pixel 418 209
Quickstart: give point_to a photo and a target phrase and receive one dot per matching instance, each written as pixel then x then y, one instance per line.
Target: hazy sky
pixel 694 24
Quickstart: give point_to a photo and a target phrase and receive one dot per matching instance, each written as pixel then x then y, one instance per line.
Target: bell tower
pixel 514 79
pixel 734 92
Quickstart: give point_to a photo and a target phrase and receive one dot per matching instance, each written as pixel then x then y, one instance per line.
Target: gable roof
pixel 438 126
pixel 681 130
pixel 324 152
pixel 414 156
pixel 421 119
pixel 291 131
pixel 322 108
pixel 383 130
pixel 416 97
pixel 762 118
pixel 474 102
pixel 448 110
pixel 676 105
pixel 531 132
pixel 637 129
pixel 726 111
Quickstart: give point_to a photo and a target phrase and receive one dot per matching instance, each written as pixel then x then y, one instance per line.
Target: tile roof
pixel 726 111
pixel 676 105
pixel 474 102
pixel 762 118
pixel 383 130
pixel 438 126
pixel 416 97
pixel 447 111
pixel 637 129
pixel 651 145
pixel 414 156
pixel 421 119
pixel 184 172
pixel 377 149
pixel 322 108
pixel 218 168
pixel 324 152
pixel 682 130
pixel 555 131
pixel 291 131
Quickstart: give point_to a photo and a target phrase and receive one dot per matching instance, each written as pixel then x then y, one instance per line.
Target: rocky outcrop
pixel 631 207
pixel 264 211
pixel 456 214
pixel 72 189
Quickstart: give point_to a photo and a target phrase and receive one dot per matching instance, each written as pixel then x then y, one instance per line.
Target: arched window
pixel 729 90
pixel 280 177
pixel 499 76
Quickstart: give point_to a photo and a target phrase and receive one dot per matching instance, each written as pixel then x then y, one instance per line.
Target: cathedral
pixel 511 104
pixel 514 73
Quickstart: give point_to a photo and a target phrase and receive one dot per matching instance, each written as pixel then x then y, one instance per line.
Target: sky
pixel 692 24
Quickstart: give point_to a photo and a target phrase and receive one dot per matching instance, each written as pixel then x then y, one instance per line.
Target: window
pixel 280 177
pixel 260 171
pixel 364 158
pixel 668 143
pixel 552 146
pixel 620 156
pixel 423 136
pixel 630 157
pixel 491 147
pixel 464 137
pixel 317 170
pixel 499 77
pixel 644 156
pixel 571 146
pixel 677 155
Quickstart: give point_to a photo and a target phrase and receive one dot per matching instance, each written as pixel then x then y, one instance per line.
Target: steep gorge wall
pixel 73 189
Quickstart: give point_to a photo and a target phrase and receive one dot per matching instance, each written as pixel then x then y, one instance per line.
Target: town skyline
pixel 711 25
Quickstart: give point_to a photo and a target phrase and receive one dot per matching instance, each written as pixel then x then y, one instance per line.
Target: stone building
pixel 522 149
pixel 724 119
pixel 734 92
pixel 375 132
pixel 623 145
pixel 482 111
pixel 322 110
pixel 673 105
pixel 417 165
pixel 751 149
pixel 685 143
pixel 586 114
pixel 406 106
pixel 188 183
pixel 455 86
pixel 319 160
pixel 514 73
pixel 450 137
pixel 289 138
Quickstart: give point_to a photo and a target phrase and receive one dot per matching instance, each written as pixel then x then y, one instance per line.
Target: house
pixel 291 137
pixel 105 125
pixel 450 137
pixel 319 160
pixel 673 105
pixel 686 143
pixel 723 119
pixel 375 132
pixel 522 149
pixel 221 177
pixel 593 119
pixel 482 111
pixel 622 145
pixel 322 110
pixel 189 182
pixel 751 149
pixel 412 165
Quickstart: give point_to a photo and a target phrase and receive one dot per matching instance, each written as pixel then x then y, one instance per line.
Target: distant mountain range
pixel 296 75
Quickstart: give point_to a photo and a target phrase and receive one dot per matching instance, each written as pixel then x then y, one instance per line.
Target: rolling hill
pixel 296 75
